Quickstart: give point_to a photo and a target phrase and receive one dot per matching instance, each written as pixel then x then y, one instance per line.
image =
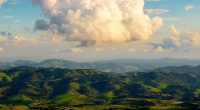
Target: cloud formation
pixel 189 7
pixel 92 22
pixel 155 11
pixel 7 39
pixel 179 40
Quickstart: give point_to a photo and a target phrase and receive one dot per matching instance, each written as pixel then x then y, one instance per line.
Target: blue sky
pixel 24 11
pixel 20 12
pixel 18 17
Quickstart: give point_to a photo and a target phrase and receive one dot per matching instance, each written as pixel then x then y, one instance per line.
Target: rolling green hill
pixel 55 87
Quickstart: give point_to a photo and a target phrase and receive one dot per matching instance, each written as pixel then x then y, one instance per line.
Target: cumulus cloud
pixel 92 22
pixel 155 11
pixel 41 25
pixel 2 2
pixel 174 32
pixel 189 7
pixel 7 38
pixel 179 40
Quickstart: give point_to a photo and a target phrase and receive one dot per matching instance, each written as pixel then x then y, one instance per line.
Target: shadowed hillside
pixel 54 87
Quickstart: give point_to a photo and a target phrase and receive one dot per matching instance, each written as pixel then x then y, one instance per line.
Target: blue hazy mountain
pixel 118 65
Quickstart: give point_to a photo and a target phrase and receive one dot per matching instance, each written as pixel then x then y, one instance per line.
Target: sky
pixel 90 30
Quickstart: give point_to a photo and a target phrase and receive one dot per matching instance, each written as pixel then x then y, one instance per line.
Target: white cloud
pixel 10 39
pixel 92 22
pixel 76 50
pixel 7 17
pixel 189 7
pixel 174 32
pixel 155 11
pixel 179 40
pixel 159 49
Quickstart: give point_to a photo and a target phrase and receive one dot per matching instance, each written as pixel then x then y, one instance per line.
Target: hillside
pixel 55 87
pixel 179 69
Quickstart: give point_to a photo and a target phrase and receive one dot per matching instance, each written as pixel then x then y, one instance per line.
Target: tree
pixel 74 86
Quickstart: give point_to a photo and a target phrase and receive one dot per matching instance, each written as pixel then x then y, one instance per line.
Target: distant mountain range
pixel 117 66
pixel 179 69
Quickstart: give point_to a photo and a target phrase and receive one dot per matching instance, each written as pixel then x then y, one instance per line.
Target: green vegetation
pixel 152 89
pixel 21 98
pixel 4 77
pixel 23 88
